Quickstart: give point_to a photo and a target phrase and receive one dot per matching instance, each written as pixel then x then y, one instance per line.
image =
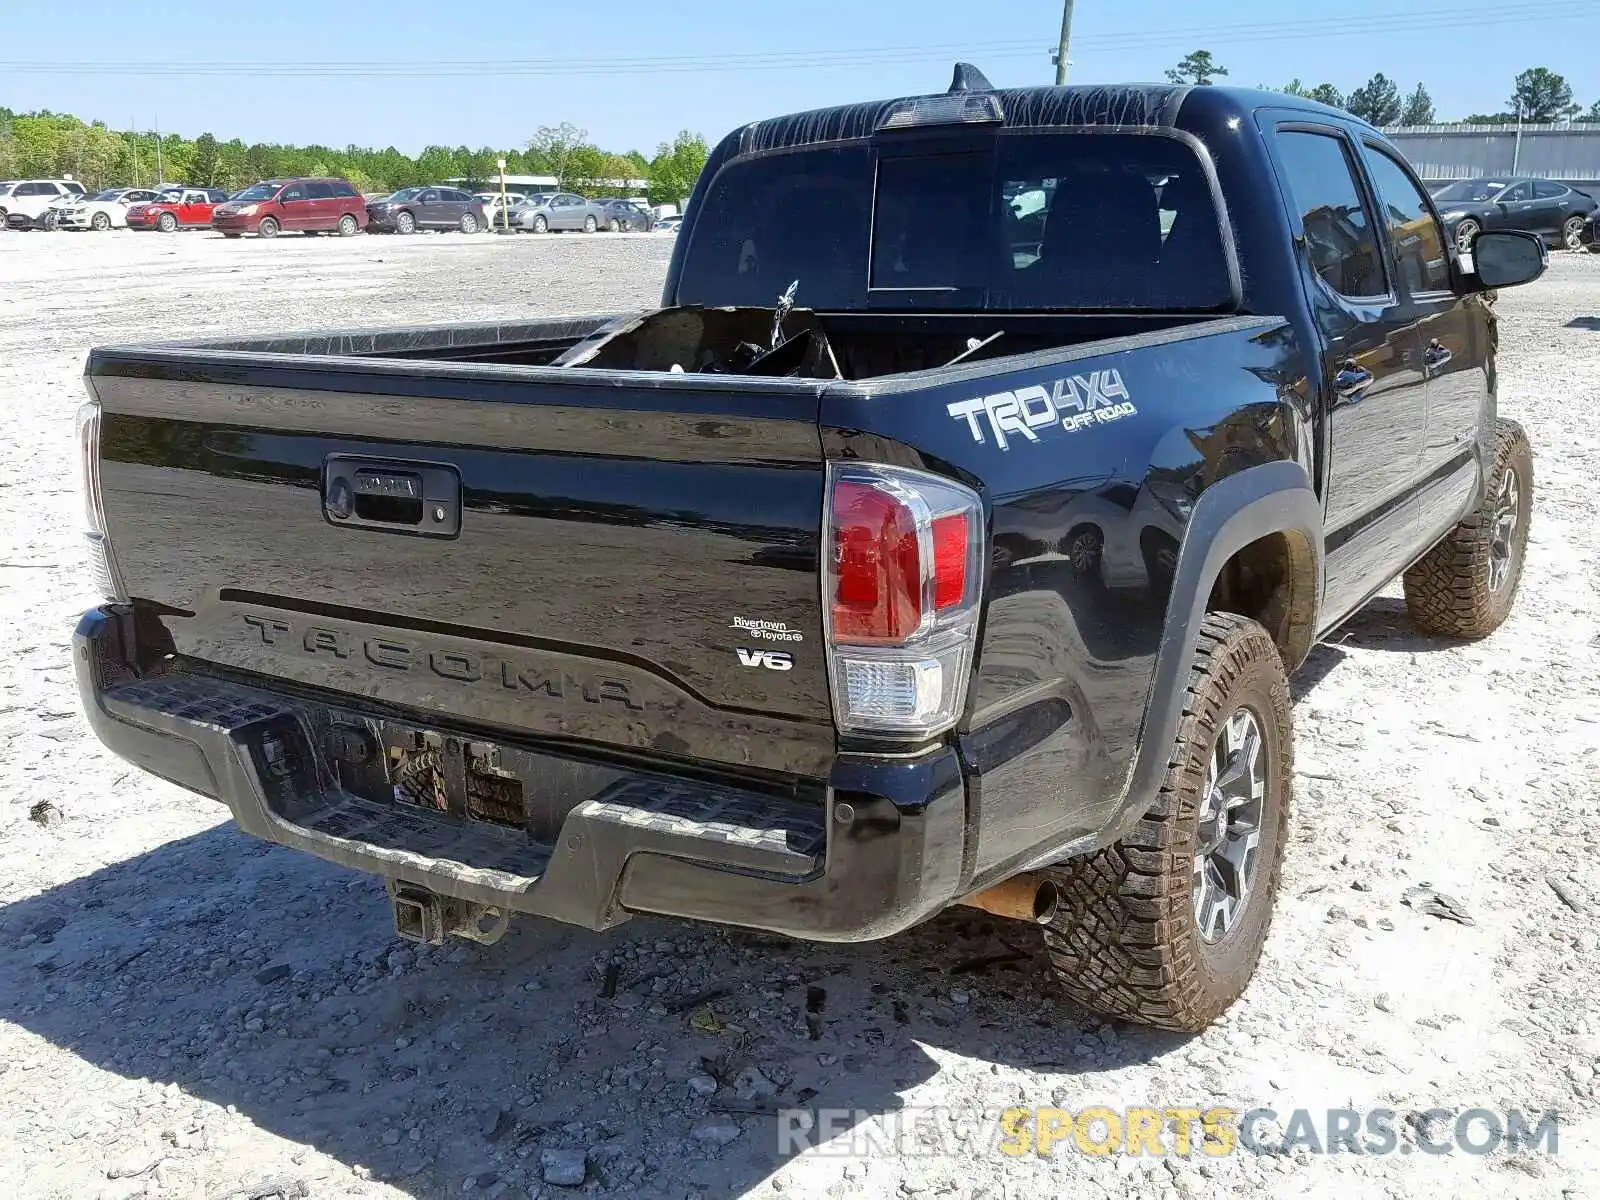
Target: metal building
pixel 1569 154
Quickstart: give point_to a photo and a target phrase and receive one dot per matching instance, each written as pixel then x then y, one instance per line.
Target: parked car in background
pixel 625 214
pixel 560 210
pixel 1553 210
pixel 495 212
pixel 102 211
pixel 308 206
pixel 411 209
pixel 23 203
pixel 177 208
pixel 668 224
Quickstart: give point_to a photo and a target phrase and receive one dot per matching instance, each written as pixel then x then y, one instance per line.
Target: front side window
pixel 1322 189
pixel 293 192
pixel 1419 243
pixel 1517 194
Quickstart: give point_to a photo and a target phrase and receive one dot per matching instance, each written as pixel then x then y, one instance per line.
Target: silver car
pixel 551 211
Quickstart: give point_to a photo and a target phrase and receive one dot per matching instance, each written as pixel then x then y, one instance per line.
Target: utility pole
pixel 1060 55
pixel 160 175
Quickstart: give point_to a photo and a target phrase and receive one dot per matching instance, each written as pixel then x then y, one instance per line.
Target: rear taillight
pixel 902 591
pixel 102 563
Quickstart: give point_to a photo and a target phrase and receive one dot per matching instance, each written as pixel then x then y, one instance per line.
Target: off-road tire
pixel 1449 592
pixel 1124 940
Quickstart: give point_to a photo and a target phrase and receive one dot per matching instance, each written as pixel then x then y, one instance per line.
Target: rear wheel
pixel 1466 235
pixel 167 223
pixel 1572 233
pixel 100 222
pixel 268 227
pixel 405 223
pixel 590 224
pixel 1165 927
pixel 469 223
pixel 614 225
pixel 1465 586
pixel 349 226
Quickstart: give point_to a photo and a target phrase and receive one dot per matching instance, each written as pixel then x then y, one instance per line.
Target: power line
pixel 1413 20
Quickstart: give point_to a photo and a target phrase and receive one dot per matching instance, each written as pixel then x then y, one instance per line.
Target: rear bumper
pixel 877 851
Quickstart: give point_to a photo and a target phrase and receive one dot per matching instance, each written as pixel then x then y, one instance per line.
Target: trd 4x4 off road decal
pixel 1072 403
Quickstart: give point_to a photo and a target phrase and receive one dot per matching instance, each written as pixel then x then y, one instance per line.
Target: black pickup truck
pixel 945 537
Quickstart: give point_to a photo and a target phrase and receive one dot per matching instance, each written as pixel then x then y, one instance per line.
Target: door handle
pixel 1351 380
pixel 421 499
pixel 1436 355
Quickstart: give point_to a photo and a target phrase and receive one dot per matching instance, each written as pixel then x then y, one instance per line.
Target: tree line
pixel 1539 95
pixel 52 145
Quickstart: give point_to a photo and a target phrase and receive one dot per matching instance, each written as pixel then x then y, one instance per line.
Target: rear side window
pixel 341 188
pixel 1323 191
pixel 319 191
pixel 1414 233
pixel 1545 190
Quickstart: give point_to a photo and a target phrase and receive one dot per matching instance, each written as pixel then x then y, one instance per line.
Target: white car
pixel 103 210
pixel 492 208
pixel 24 203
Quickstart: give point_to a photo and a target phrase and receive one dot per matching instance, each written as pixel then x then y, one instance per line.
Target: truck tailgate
pixel 623 562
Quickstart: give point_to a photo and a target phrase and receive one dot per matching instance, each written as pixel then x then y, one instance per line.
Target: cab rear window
pixel 1037 221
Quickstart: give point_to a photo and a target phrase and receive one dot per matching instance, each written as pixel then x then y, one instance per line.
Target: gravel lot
pixel 187 1012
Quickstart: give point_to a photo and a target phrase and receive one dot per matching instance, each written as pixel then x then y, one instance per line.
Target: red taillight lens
pixel 950 535
pixel 878 596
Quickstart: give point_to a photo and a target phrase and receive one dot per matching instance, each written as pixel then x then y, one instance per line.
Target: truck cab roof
pixel 1124 105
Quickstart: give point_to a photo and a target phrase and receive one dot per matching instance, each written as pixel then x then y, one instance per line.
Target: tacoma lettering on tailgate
pixel 397 654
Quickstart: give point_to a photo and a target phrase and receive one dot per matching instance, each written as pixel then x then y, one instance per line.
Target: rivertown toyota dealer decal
pixel 1073 403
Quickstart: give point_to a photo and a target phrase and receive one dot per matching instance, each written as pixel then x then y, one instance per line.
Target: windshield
pixel 5 188
pixel 171 197
pixel 406 194
pixel 1472 191
pixel 1042 221
pixel 258 191
pixel 542 198
pixel 109 194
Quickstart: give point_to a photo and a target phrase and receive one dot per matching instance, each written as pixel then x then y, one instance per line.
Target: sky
pixel 633 74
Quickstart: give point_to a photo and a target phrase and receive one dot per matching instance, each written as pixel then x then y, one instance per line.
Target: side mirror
pixel 1507 258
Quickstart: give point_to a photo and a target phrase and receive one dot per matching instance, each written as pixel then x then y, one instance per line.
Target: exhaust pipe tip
pixel 1046 902
pixel 1024 898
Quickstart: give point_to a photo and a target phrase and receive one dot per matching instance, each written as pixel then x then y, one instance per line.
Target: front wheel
pixel 615 226
pixel 1165 927
pixel 1467 234
pixel 541 224
pixel 268 227
pixel 100 222
pixel 405 223
pixel 167 223
pixel 469 223
pixel 349 226
pixel 1572 233
pixel 1465 586
pixel 590 224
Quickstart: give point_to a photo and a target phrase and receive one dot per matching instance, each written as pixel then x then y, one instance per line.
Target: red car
pixel 175 209
pixel 307 206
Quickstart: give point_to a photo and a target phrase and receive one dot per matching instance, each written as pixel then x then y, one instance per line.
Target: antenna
pixel 969 79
